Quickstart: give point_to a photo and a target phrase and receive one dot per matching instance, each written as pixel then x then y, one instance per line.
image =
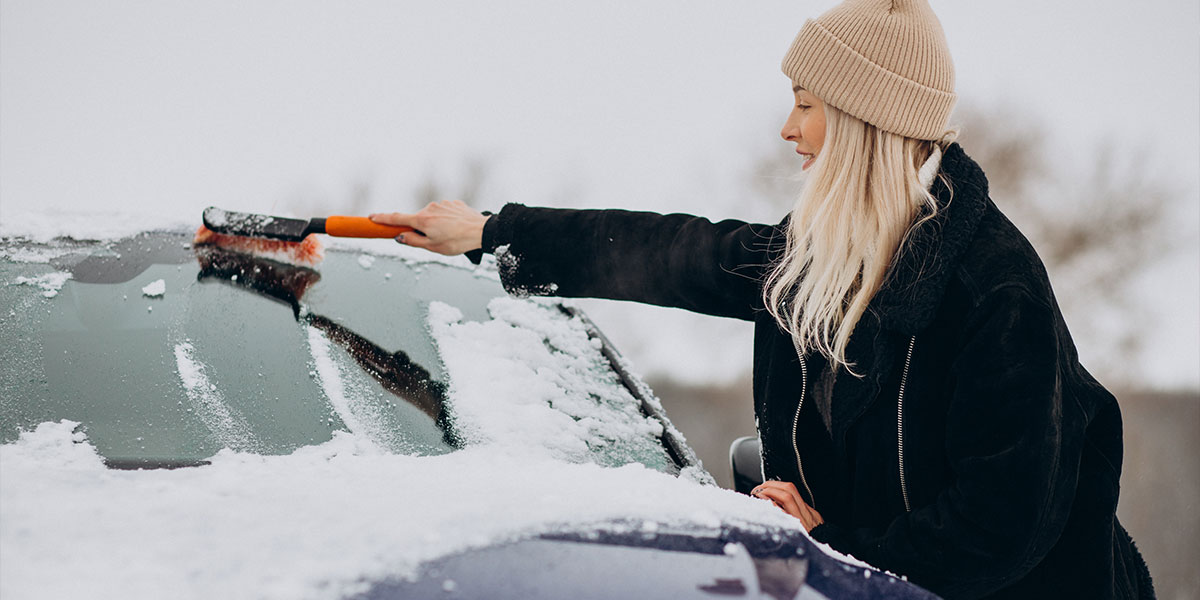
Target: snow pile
pixel 366 260
pixel 318 523
pixel 532 378
pixel 155 289
pixel 50 283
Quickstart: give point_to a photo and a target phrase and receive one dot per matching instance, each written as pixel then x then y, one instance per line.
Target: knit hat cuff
pixel 821 63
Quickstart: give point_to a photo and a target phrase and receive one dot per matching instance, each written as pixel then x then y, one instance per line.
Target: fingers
pixel 787 497
pixel 441 208
pixel 786 501
pixel 401 219
pixel 446 227
pixel 414 239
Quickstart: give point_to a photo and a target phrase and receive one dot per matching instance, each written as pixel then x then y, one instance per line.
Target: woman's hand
pixel 446 227
pixel 785 496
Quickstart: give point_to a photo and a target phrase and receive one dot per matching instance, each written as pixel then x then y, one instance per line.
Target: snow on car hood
pixel 319 523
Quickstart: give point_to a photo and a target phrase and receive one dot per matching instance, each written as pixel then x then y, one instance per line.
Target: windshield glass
pixel 167 354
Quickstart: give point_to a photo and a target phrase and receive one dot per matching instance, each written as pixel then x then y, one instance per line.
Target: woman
pixel 919 399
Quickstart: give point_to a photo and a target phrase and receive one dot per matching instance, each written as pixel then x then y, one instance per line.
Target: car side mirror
pixel 746 459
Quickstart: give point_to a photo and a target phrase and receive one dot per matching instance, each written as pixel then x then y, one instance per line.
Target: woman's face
pixel 806 125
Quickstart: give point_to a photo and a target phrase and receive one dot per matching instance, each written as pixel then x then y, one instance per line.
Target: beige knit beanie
pixel 883 61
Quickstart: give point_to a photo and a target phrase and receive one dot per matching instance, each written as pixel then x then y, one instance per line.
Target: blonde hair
pixel 862 199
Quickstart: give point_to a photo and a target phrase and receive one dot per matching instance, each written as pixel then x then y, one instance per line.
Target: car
pixel 194 421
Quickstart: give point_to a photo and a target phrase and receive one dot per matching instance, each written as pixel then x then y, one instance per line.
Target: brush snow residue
pixel 228 428
pixel 351 402
pixel 155 289
pixel 314 524
pixel 366 260
pixel 50 283
pixel 331 379
pixel 532 377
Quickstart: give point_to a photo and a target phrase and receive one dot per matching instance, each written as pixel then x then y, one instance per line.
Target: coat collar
pixel 912 293
pixel 913 290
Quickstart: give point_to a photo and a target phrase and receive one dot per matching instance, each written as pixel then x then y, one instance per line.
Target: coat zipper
pixel 900 423
pixel 796 421
pixel 912 342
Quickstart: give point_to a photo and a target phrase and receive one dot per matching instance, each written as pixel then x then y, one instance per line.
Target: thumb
pixel 401 219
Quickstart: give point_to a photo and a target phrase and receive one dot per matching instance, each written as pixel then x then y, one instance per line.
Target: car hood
pixel 345 518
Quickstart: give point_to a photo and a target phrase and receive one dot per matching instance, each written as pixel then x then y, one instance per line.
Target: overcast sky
pixel 168 106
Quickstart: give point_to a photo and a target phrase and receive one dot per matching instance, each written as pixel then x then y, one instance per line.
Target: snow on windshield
pixel 531 377
pixel 49 283
pixel 326 520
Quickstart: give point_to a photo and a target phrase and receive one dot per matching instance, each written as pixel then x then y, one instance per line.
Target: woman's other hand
pixel 785 496
pixel 446 227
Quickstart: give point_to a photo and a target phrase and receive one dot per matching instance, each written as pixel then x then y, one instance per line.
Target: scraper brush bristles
pixel 306 252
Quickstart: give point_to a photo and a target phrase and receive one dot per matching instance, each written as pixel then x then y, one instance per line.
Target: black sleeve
pixel 1015 449
pixel 677 260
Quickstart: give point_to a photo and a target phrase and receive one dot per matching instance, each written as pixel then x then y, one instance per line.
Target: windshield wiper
pixel 287 283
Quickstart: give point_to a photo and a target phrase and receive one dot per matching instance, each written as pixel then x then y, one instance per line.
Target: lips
pixel 810 159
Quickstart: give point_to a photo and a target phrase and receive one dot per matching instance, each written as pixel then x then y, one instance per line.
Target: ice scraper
pixel 284 238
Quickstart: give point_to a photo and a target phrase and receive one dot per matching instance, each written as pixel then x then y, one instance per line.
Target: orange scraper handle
pixel 361 227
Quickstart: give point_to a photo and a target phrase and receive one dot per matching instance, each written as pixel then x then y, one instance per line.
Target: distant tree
pixel 1097 226
pixel 470 185
pixel 359 196
pixel 313 202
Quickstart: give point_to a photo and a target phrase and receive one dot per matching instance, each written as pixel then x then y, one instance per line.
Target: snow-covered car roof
pixel 350 430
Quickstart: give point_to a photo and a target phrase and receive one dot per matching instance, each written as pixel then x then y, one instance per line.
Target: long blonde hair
pixel 862 199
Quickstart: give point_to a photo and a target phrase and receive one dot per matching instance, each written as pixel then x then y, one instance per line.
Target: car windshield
pixel 167 354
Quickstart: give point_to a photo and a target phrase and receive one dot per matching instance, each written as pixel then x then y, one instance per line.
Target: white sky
pixel 169 106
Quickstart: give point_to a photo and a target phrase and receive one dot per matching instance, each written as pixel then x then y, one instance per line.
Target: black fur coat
pixel 974 455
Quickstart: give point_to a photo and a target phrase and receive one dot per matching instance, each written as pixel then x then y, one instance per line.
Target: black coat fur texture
pixel 1011 450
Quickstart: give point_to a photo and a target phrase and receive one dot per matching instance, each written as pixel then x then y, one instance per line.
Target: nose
pixel 790 131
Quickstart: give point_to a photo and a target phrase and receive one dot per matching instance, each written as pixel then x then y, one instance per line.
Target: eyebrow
pixel 797 89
